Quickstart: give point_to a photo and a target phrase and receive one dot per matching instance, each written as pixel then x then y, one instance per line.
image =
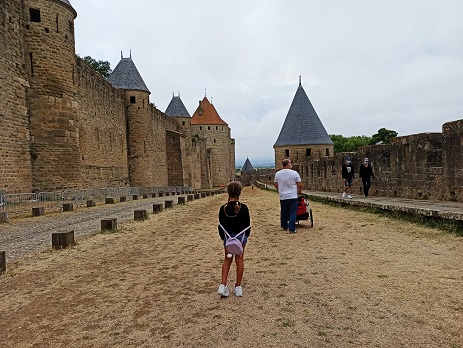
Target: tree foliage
pixel 348 144
pixel 101 66
pixel 351 144
pixel 383 136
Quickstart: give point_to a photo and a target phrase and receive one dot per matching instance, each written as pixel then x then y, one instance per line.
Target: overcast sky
pixel 365 64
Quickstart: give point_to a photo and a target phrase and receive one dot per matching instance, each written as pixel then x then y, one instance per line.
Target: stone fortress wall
pixel 66 127
pixel 419 166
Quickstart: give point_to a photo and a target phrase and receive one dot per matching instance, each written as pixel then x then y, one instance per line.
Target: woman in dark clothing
pixel 234 217
pixel 365 173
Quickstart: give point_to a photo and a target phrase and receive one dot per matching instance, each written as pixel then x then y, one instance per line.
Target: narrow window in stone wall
pixel 308 152
pixel 57 28
pixel 183 123
pixel 132 99
pixel 144 146
pixel 208 127
pixel 200 127
pixel 143 103
pixel 214 141
pixel 32 65
pixel 327 152
pixel 98 137
pixel 35 14
pixel 216 128
pixel 71 27
pixel 286 153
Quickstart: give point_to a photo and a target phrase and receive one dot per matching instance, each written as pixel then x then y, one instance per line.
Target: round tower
pixel 53 112
pixel 207 124
pixel 139 122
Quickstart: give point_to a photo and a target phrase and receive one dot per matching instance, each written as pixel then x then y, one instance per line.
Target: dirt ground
pixel 354 280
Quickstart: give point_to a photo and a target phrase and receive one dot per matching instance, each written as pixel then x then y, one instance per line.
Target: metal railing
pixel 22 203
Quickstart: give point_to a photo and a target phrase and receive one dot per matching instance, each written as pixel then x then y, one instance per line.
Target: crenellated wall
pixel 419 166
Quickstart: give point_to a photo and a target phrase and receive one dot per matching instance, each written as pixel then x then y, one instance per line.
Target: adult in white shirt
pixel 289 185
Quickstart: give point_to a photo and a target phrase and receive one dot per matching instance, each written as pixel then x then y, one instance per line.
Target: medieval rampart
pixel 419 166
pixel 15 161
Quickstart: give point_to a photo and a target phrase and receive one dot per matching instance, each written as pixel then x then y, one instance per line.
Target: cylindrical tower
pixel 53 111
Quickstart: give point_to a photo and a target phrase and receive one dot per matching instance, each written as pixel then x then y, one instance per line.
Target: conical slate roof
pixel 302 125
pixel 207 114
pixel 126 76
pixel 176 108
pixel 247 166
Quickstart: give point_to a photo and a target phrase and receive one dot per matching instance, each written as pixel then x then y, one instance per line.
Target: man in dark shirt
pixel 347 177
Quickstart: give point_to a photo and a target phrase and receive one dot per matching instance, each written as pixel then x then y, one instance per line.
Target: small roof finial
pixel 178 94
pixel 130 54
pixel 300 84
pixel 173 95
pixel 205 94
pixel 211 100
pixel 121 55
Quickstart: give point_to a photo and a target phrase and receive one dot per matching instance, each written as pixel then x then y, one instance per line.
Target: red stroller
pixel 303 210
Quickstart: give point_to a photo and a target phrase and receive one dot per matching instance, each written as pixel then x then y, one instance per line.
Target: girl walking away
pixel 233 219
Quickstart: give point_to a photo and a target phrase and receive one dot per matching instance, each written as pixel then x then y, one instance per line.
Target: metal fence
pixel 22 203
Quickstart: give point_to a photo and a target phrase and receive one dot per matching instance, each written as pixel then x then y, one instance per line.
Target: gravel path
pixel 21 237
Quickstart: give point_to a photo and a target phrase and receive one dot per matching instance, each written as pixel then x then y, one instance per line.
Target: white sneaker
pixel 238 291
pixel 349 196
pixel 343 194
pixel 223 290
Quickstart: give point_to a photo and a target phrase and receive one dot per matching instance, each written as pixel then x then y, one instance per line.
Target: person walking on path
pixel 289 185
pixel 234 218
pixel 366 172
pixel 347 173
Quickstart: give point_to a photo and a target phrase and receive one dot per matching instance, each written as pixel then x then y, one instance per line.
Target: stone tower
pixel 15 161
pixel 302 136
pixel 53 109
pixel 140 147
pixel 206 123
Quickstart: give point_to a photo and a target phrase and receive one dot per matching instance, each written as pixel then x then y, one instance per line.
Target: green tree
pixel 101 66
pixel 383 136
pixel 350 144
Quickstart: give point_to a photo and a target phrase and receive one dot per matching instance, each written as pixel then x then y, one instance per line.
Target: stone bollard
pixel 181 200
pixel 109 200
pixel 197 196
pixel 203 194
pixel 134 197
pixel 169 204
pixel 122 199
pixel 2 262
pixel 189 198
pixel 62 240
pixel 90 203
pixel 157 208
pixel 38 211
pixel 140 215
pixel 109 224
pixel 3 217
pixel 68 207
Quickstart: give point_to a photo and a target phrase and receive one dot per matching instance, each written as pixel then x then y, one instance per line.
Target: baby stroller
pixel 303 210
